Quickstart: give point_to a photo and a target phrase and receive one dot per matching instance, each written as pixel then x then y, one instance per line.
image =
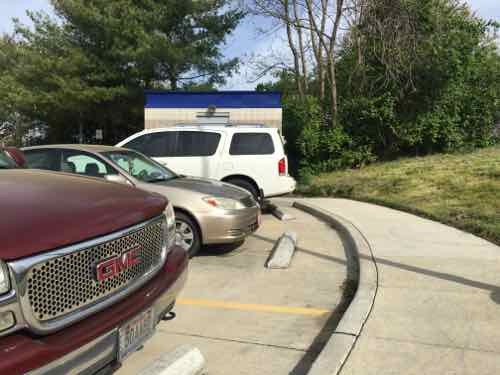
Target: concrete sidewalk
pixel 437 308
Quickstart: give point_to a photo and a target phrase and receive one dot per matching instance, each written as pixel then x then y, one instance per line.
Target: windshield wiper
pixel 161 179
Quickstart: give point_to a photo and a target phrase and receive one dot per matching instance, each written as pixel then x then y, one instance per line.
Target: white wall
pixel 157 118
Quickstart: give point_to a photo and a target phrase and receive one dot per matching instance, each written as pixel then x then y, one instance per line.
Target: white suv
pixel 249 156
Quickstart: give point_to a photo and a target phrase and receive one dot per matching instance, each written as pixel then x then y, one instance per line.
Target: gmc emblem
pixel 114 266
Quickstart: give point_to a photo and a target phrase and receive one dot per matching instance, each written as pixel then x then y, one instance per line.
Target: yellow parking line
pixel 253 307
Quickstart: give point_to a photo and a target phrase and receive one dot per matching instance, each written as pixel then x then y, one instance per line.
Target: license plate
pixel 133 333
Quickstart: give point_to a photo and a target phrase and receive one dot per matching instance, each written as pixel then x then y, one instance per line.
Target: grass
pixel 461 190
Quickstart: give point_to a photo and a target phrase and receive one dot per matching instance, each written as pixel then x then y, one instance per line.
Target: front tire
pixel 187 234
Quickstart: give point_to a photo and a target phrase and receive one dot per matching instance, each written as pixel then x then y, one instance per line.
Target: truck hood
pixel 41 211
pixel 207 187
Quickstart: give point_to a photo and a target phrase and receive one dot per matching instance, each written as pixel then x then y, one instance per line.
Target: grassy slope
pixel 459 190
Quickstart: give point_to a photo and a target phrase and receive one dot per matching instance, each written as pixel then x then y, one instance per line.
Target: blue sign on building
pixel 219 99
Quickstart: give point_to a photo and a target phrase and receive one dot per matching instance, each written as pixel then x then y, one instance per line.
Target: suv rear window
pixel 251 144
pixel 176 143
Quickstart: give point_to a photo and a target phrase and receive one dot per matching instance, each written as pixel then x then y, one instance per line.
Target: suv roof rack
pixel 208 124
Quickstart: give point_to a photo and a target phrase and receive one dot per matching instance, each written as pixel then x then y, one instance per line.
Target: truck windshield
pixel 140 166
pixel 5 161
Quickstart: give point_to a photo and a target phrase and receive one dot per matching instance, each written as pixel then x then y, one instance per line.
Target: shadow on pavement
pixel 494 289
pixel 348 291
pixel 220 250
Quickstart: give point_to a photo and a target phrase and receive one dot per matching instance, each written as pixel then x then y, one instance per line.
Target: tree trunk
pixel 301 47
pixel 293 48
pixel 319 42
pixel 331 57
pixel 333 91
pixel 80 128
pixel 173 83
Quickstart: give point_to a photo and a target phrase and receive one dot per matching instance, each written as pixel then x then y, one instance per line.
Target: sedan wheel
pixel 186 234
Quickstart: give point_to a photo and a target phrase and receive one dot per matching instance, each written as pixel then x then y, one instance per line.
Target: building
pixel 168 108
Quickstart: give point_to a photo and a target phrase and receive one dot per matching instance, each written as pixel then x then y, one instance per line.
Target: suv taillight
pixel 282 167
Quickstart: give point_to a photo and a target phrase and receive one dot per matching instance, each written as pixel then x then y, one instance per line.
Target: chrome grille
pixel 64 284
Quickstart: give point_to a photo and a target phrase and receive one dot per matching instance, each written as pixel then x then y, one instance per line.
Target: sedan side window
pixel 43 159
pixel 85 164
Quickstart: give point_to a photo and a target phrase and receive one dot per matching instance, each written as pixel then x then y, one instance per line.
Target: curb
pixel 185 360
pixel 336 352
pixel 283 251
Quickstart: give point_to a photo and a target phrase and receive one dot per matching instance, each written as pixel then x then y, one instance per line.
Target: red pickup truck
pixel 87 270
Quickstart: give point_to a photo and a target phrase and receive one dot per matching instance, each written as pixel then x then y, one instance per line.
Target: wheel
pixel 187 234
pixel 247 186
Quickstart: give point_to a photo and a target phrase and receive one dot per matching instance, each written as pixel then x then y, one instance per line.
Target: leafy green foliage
pixel 313 146
pixel 425 78
pixel 441 95
pixel 153 41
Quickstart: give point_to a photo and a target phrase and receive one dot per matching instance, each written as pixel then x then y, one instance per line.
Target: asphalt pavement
pixel 247 319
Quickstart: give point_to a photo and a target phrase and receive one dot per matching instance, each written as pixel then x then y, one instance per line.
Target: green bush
pixel 298 115
pixel 440 95
pixel 324 149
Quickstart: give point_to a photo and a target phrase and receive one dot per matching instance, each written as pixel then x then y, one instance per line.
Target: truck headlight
pixel 170 216
pixel 7 320
pixel 224 203
pixel 4 278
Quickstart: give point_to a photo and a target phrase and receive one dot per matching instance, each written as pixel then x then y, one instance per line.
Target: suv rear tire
pixel 248 186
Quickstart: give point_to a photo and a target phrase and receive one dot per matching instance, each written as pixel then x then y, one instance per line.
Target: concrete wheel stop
pixel 185 360
pixel 282 253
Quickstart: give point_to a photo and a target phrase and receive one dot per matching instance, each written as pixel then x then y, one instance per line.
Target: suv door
pixel 196 153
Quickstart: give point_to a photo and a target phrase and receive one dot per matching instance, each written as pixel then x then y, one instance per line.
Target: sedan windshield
pixel 139 166
pixel 6 162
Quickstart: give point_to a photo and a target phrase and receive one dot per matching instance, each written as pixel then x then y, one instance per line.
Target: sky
pixel 246 42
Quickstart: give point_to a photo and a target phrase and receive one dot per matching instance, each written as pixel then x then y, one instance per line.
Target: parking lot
pixel 247 319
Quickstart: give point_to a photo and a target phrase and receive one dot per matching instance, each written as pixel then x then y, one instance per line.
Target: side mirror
pixel 118 178
pixel 16 155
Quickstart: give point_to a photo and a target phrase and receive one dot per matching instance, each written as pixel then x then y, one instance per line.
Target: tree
pixel 152 41
pixel 414 77
pixel 88 68
pixel 321 19
pixel 427 81
pixel 286 15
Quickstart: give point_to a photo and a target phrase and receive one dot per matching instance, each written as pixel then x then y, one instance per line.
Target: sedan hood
pixel 208 187
pixel 41 210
